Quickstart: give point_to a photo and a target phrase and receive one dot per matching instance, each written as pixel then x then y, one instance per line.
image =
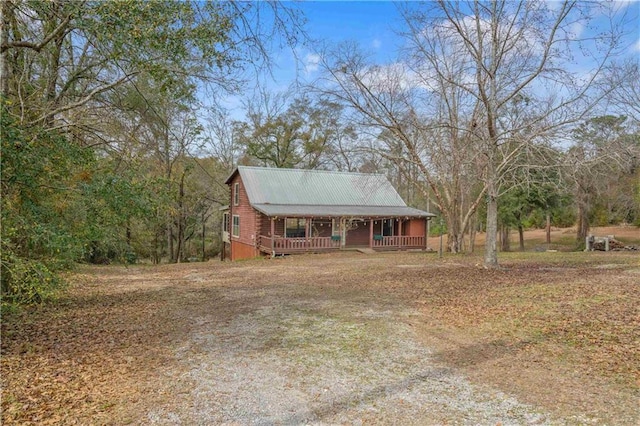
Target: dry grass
pixel 559 330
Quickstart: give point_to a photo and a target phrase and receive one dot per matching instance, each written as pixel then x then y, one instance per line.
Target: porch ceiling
pixel 339 211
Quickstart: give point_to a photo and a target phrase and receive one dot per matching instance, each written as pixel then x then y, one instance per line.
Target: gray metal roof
pixel 338 211
pixel 317 192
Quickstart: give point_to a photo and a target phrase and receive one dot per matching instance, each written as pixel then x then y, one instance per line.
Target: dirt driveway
pixel 282 353
pixel 302 340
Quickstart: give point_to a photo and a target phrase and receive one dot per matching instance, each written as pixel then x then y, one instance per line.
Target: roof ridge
pixel 332 205
pixel 310 170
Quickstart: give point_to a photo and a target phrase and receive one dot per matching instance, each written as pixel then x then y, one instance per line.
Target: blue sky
pixel 369 23
pixel 373 25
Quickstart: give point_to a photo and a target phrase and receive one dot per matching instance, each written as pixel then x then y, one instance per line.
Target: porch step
pixel 366 250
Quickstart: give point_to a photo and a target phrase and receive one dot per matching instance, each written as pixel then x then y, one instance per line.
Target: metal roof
pixel 293 192
pixel 338 211
pixel 317 187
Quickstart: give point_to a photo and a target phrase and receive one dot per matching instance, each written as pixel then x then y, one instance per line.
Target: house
pixel 285 211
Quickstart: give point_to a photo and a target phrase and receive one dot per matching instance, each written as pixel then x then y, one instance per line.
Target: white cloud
pixel 311 63
pixel 376 43
pixel 637 46
pixel 576 29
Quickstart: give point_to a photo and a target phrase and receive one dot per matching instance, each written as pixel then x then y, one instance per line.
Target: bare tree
pixel 415 129
pixel 601 167
pixel 475 66
pixel 221 142
pixel 625 88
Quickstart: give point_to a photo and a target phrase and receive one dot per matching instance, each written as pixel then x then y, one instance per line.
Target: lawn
pixel 557 331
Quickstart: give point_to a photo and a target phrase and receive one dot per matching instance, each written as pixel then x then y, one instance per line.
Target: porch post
pixel 273 236
pixel 426 233
pixel 343 233
pixel 400 232
pixel 370 232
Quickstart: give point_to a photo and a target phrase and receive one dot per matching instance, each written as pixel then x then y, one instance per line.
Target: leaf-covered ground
pixel 558 331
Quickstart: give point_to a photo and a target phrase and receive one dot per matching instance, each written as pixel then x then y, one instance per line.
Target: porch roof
pixel 339 211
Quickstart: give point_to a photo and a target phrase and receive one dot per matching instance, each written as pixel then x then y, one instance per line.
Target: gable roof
pixel 299 192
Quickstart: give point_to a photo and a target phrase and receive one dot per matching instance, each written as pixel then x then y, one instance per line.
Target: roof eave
pixel 231 176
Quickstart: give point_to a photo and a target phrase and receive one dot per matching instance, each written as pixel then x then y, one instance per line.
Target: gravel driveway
pixel 278 355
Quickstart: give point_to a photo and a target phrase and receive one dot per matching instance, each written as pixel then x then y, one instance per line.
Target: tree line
pixel 109 154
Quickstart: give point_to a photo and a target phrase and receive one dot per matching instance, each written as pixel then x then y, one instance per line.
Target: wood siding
pixel 414 227
pixel 359 236
pixel 243 251
pixel 244 245
pixel 321 227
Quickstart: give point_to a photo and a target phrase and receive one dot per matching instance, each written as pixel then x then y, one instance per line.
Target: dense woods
pixel 115 145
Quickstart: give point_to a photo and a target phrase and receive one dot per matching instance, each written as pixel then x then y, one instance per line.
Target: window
pixel 295 228
pixel 236 194
pixel 225 222
pixel 236 226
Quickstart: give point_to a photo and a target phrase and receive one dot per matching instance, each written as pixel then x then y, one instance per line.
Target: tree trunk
pixel 170 241
pixel 583 222
pixel 455 242
pixel 181 239
pixel 491 247
pixel 472 232
pixel 4 56
pixel 156 242
pixel 548 228
pixel 505 243
pixel 203 240
pixel 521 236
pixel 128 234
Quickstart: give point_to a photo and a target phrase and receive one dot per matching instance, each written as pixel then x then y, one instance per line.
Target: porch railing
pixel 291 245
pixel 286 245
pixel 403 241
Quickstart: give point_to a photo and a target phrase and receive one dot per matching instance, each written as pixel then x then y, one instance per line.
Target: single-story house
pixel 284 211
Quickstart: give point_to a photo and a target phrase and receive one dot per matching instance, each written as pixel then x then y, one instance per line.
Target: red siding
pixel 321 227
pixel 243 251
pixel 359 236
pixel 279 227
pixel 249 221
pixel 414 227
pixel 265 225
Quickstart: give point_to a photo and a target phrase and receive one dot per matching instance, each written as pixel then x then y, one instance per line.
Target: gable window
pixel 225 222
pixel 236 194
pixel 236 226
pixel 295 227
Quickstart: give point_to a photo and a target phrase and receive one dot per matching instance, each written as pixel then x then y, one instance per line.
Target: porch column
pixel 400 232
pixel 370 232
pixel 426 233
pixel 343 233
pixel 273 235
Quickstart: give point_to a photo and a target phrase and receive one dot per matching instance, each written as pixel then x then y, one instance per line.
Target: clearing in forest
pixel 551 338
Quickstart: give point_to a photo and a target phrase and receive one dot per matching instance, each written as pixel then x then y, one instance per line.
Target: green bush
pixel 26 282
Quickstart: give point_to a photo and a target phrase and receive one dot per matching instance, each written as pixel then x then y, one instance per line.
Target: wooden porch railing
pixel 403 241
pixel 288 245
pixel 283 245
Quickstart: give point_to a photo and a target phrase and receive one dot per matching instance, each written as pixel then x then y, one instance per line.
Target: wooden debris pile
pixel 614 245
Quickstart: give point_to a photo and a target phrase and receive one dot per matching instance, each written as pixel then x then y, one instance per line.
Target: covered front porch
pixel 291 235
